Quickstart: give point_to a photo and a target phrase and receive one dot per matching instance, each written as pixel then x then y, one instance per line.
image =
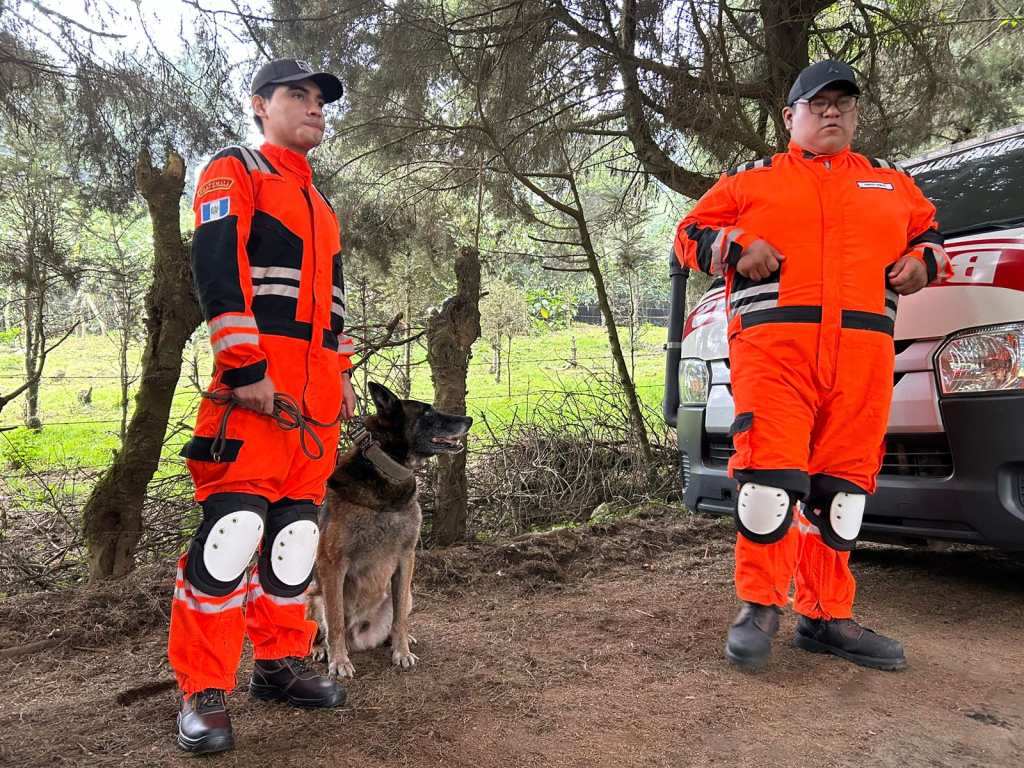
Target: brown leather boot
pixel 292 680
pixel 203 723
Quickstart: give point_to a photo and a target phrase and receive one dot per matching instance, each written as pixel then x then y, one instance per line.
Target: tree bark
pixel 450 336
pixel 112 516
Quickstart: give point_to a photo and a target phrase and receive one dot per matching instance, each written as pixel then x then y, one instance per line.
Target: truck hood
pixel 987 288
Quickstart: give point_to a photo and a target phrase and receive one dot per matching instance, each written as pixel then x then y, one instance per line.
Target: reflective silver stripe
pixel 194 605
pixel 276 290
pixel 257 591
pixel 271 272
pixel 808 528
pixel 260 161
pixel 338 294
pixel 754 291
pixel 760 163
pixel 338 309
pixel 247 158
pixel 230 321
pixel 347 346
pixel 891 296
pixel 715 267
pixel 233 340
pixel 883 163
pixel 756 305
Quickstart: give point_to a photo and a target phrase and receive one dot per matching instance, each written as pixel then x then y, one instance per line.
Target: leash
pixel 287 414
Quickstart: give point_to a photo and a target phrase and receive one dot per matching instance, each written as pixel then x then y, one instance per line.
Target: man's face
pixel 825 133
pixel 293 117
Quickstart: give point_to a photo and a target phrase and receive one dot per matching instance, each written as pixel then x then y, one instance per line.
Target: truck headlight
pixel 983 360
pixel 694 380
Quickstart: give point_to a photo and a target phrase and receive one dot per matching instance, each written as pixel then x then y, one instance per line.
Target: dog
pixel 370 525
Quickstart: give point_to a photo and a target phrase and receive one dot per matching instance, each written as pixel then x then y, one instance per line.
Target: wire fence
pixel 550 445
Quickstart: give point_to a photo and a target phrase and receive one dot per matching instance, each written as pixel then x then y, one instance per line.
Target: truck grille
pixel 905 455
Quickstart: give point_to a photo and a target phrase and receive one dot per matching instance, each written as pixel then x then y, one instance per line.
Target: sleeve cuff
pixel 247 374
pixel 746 239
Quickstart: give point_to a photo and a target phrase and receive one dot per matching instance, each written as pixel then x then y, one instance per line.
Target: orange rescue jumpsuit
pixel 267 268
pixel 811 349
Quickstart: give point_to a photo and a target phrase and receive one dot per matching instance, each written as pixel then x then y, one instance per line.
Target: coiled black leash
pixel 287 415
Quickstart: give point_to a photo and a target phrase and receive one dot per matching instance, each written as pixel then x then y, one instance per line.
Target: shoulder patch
pixel 764 162
pixel 214 210
pixel 218 184
pixel 877 162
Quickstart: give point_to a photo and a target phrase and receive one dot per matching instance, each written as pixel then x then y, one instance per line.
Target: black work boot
pixel 291 679
pixel 203 723
pixel 849 640
pixel 750 637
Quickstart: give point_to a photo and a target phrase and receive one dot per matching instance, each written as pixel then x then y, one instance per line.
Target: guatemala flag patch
pixel 215 209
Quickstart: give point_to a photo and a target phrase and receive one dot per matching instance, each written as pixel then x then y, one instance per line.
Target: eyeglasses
pixel 821 105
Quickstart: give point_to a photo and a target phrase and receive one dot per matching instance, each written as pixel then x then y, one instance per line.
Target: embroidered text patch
pixel 221 183
pixel 875 185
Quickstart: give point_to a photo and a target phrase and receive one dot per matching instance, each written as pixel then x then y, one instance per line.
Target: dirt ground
pixel 595 647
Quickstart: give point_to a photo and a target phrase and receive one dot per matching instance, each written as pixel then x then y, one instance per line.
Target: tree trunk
pixel 496 359
pixel 628 388
pixel 32 330
pixel 112 516
pixel 450 336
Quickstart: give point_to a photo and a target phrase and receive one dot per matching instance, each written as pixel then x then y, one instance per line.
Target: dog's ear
pixel 383 398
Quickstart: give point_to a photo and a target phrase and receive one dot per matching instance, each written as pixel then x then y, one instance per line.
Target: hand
pixel 348 397
pixel 759 260
pixel 259 396
pixel 908 275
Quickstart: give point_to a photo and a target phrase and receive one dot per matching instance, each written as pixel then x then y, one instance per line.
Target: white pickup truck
pixel 954 461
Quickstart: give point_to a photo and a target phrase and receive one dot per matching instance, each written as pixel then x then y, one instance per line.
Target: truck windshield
pixel 978 188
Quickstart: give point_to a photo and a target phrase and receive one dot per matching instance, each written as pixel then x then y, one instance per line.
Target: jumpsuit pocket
pixel 202 449
pixel 740 434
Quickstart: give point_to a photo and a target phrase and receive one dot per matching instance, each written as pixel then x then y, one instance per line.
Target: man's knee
pixel 289 548
pixel 836 507
pixel 225 542
pixel 764 505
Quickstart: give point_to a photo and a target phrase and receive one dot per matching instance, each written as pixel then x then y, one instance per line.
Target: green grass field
pixel 85 435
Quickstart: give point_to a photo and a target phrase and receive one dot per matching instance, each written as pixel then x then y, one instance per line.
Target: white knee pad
pixel 840 527
pixel 293 551
pixel 763 512
pixel 230 544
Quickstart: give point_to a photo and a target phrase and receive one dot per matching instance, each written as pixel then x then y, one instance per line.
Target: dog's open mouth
pixel 453 443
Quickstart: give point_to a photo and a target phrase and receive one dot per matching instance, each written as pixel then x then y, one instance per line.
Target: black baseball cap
pixel 293 70
pixel 817 76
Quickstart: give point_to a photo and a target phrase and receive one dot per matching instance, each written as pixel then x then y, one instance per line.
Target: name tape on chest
pixel 214 209
pixel 875 185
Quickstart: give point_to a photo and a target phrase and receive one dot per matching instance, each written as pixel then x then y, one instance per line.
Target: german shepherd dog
pixel 370 525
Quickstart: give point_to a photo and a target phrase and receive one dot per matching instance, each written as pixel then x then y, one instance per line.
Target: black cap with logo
pixel 815 77
pixel 293 70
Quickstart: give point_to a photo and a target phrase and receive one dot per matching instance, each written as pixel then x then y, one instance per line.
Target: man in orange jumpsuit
pixel 266 260
pixel 816 244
